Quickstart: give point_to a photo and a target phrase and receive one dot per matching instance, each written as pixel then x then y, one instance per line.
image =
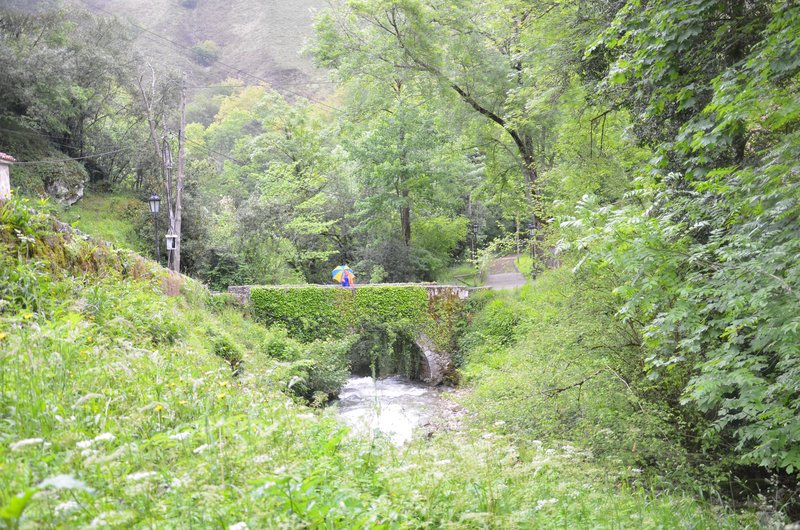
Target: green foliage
pixel 384 322
pixel 116 218
pixel 66 85
pixel 316 313
pixel 330 369
pixel 552 365
pixel 706 247
pixel 116 412
pixel 385 348
pixel 224 347
pixel 206 52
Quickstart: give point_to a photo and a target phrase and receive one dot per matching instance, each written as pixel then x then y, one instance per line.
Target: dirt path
pixel 503 274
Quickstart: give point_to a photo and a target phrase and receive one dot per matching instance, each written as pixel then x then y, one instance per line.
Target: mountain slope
pixel 262 38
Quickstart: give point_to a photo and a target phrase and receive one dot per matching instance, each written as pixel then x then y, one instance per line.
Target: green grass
pixel 118 414
pixel 109 216
pixel 460 274
pixel 525 264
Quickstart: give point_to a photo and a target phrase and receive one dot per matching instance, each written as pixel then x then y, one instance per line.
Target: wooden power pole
pixel 175 263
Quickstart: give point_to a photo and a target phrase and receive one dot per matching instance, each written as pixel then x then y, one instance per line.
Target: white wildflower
pixel 140 475
pixel 180 436
pixel 260 459
pixel 636 471
pixel 442 462
pixel 499 423
pixel 85 444
pixel 280 470
pixel 200 449
pixel 66 507
pixel 95 458
pixel 238 526
pixel 544 502
pixel 16 446
pixel 100 521
pixel 487 436
pixel 64 482
pixel 104 437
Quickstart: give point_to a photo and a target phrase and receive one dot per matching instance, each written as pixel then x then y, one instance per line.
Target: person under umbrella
pixel 344 275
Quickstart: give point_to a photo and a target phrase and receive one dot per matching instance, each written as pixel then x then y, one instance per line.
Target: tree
pixel 65 74
pixel 473 51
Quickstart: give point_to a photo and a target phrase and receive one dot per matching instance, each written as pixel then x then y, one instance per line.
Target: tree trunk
pixel 405 218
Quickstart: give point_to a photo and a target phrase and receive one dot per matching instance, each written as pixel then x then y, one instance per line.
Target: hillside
pixel 263 38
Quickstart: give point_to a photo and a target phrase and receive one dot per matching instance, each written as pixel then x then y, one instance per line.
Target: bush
pixel 224 347
pixel 330 370
pixel 205 53
pixel 552 364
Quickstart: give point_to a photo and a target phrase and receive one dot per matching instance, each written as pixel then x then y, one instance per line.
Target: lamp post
pixel 155 206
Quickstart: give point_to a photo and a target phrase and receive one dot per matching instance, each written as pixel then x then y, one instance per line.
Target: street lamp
pixel 155 206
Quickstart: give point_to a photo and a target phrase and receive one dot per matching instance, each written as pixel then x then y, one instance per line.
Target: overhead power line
pixel 56 160
pixel 298 83
pixel 210 151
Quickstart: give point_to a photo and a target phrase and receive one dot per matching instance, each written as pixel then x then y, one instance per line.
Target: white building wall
pixel 5 181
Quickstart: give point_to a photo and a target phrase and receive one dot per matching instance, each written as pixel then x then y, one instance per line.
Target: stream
pixel 394 407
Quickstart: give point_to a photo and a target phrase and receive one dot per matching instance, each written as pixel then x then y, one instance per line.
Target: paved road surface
pixel 503 274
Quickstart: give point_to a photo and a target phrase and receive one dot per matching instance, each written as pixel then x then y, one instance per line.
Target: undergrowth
pixel 120 409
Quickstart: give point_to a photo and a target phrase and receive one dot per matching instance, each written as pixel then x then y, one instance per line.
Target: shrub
pixel 205 53
pixel 224 347
pixel 330 370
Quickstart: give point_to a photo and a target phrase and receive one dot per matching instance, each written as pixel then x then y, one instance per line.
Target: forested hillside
pixel 640 157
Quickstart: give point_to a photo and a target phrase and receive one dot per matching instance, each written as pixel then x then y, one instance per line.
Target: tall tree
pixel 506 61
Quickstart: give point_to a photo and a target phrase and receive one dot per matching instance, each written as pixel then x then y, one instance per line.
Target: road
pixel 503 274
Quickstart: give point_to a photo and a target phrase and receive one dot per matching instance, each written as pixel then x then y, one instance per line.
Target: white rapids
pixel 393 407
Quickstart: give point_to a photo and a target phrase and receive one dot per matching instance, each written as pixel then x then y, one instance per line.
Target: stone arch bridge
pixel 318 311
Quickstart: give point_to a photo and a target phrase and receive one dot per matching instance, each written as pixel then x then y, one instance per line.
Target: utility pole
pixel 174 195
pixel 176 261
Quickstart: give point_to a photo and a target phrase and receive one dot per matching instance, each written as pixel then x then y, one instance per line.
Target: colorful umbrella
pixel 342 271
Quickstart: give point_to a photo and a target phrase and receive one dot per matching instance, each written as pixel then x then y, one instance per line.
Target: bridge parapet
pixel 242 292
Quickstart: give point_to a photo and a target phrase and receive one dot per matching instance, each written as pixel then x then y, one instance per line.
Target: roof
pixel 6 158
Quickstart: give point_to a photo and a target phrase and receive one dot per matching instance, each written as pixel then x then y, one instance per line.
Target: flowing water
pixel 393 407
